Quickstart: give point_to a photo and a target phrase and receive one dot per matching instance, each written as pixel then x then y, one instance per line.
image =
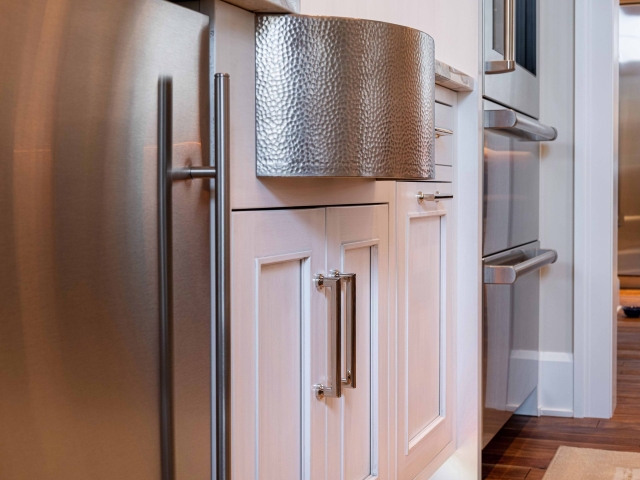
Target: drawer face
pixel 444 144
pixel 444 116
pixel 444 173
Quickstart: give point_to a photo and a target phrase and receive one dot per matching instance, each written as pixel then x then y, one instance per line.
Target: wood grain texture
pixel 526 445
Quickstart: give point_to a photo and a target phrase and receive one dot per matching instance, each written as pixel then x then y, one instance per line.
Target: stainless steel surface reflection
pixel 79 346
pixel 511 191
pixel 510 327
pixel 629 160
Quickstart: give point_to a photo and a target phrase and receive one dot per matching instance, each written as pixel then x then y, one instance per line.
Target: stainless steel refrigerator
pixel 629 182
pixel 83 350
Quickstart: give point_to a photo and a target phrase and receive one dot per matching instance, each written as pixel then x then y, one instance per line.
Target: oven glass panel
pixel 526 31
pixel 526 34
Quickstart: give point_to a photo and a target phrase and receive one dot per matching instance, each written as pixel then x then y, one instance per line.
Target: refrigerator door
pixel 511 189
pixel 629 220
pixel 79 329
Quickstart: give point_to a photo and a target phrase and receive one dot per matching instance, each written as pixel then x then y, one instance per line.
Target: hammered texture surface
pixel 341 97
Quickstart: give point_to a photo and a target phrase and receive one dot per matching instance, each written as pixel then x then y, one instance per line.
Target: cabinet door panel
pixel 424 370
pixel 422 355
pixel 279 364
pixel 357 242
pixel 278 345
pixel 356 405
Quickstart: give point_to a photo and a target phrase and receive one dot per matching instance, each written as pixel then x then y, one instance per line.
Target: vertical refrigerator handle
pixel 509 63
pixel 350 279
pixel 166 176
pixel 223 276
pixel 165 264
pixel 333 386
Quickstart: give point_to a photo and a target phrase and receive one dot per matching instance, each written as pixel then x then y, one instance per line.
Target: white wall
pixel 453 24
pixel 556 207
pixel 596 206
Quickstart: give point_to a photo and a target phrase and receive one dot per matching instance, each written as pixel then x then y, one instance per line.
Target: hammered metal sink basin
pixel 342 97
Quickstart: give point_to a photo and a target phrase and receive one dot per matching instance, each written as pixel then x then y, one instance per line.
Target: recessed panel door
pixel 424 371
pixel 357 243
pixel 278 345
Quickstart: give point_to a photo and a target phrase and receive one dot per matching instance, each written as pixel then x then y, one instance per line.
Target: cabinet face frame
pixel 416 450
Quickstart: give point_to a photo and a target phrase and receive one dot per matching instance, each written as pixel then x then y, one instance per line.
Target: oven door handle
pixel 508 274
pixel 509 63
pixel 514 124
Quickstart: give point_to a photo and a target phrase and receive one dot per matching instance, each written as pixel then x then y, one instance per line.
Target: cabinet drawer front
pixel 444 116
pixel 444 173
pixel 444 144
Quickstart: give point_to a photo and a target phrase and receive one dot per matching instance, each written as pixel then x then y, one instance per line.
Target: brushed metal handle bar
pixel 223 274
pixel 165 264
pixel 431 197
pixel 166 176
pixel 513 124
pixel 508 64
pixel 350 279
pixel 333 386
pixel 508 274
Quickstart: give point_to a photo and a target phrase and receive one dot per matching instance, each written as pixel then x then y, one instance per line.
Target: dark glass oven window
pixel 526 34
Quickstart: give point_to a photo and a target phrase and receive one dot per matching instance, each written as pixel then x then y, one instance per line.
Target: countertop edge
pixel 268 6
pixel 449 77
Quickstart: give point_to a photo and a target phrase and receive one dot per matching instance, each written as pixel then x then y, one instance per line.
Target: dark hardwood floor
pixel 525 446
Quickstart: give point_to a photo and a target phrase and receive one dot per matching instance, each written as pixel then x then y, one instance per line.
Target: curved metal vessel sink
pixel 342 97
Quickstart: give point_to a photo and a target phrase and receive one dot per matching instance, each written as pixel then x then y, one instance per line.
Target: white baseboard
pixel 555 386
pixel 547 412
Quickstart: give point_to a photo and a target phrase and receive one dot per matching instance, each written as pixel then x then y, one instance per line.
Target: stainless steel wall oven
pixel 511 249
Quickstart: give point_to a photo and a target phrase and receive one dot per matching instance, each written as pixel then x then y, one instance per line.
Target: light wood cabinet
pixel 280 348
pixel 424 371
pixel 398 422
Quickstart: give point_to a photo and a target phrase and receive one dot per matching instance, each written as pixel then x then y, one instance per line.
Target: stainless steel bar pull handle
pixel 166 176
pixel 505 272
pixel 509 63
pixel 443 132
pixel 165 264
pixel 350 279
pixel 513 124
pixel 333 386
pixel 431 197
